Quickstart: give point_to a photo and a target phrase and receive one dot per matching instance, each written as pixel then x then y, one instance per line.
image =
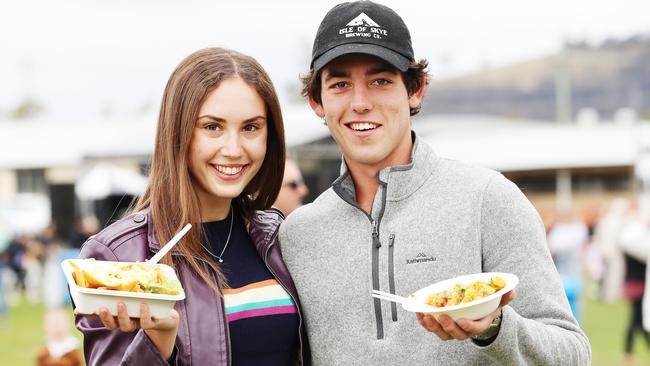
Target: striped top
pixel 262 317
pixel 257 299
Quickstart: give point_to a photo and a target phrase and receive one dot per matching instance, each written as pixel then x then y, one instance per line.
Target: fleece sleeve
pixel 538 327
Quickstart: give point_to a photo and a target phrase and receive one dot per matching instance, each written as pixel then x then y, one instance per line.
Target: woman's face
pixel 228 145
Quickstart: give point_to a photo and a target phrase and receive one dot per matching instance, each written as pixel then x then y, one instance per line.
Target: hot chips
pixel 132 277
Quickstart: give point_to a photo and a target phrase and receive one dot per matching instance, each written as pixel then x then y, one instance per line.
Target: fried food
pixel 461 294
pixel 132 277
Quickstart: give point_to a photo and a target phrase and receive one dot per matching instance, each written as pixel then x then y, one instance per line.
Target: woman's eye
pixel 251 128
pixel 212 127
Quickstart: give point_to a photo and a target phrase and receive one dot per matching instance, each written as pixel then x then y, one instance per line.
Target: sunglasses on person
pixel 294 184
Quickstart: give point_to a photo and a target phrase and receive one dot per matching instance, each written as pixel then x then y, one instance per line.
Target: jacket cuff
pixel 502 345
pixel 142 351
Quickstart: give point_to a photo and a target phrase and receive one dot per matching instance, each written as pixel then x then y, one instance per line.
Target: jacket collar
pixel 401 180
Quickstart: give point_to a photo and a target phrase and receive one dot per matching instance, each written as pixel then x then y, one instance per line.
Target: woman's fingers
pixel 146 321
pixel 107 319
pixel 126 324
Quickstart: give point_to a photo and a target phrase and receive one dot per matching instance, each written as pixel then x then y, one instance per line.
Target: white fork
pixel 389 297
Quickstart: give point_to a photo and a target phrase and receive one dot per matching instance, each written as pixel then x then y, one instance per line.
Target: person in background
pixel 634 242
pixel 567 239
pixel 219 147
pixel 400 218
pixel 293 190
pixel 61 348
pixel 606 240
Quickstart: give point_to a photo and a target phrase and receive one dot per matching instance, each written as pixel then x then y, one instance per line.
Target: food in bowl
pixel 109 291
pixel 461 293
pixel 132 277
pixel 472 310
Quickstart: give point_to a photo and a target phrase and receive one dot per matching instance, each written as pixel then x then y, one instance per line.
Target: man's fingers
pixel 507 297
pixel 450 327
pixel 431 324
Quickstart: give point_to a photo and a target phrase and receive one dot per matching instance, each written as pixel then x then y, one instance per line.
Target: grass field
pixel 21 334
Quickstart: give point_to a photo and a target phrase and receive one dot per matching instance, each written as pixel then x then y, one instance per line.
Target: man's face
pixel 366 105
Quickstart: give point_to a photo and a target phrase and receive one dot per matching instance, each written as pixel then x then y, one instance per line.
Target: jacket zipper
pixel 376 244
pixel 391 275
pixel 266 253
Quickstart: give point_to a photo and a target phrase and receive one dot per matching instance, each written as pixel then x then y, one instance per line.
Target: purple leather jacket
pixel 203 333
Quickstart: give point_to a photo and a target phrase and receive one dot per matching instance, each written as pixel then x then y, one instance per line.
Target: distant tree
pixel 29 107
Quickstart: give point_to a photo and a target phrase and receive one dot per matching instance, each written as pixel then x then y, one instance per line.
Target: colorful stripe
pixel 257 299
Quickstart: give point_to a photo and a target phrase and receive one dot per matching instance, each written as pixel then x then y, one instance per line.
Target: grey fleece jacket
pixel 431 220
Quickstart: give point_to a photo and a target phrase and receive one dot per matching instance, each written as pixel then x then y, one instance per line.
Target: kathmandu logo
pixel 363 26
pixel 421 258
pixel 364 20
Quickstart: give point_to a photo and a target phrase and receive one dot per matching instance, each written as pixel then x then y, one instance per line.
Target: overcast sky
pixel 91 57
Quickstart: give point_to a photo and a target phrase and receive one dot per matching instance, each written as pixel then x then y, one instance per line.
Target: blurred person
pixel 635 243
pixel 399 218
pixel 606 236
pixel 219 146
pixel 293 189
pixel 61 348
pixel 567 239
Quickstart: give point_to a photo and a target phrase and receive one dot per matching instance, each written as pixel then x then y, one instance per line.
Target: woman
pixel 219 148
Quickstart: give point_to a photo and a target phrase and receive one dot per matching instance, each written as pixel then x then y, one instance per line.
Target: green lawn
pixel 22 333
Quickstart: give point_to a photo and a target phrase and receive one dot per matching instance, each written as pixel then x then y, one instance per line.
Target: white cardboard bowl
pixel 90 300
pixel 472 310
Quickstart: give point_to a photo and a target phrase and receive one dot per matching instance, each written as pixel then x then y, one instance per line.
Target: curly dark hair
pixel 311 82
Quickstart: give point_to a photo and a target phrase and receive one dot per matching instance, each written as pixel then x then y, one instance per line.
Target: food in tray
pixel 132 277
pixel 461 294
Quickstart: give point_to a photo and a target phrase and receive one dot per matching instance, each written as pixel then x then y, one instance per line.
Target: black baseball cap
pixel 362 27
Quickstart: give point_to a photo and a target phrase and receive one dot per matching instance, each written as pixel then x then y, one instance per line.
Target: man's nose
pixel 361 102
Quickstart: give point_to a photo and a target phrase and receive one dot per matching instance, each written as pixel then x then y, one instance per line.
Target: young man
pixel 400 218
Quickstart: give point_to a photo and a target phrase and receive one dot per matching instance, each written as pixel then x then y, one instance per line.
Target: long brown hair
pixel 170 194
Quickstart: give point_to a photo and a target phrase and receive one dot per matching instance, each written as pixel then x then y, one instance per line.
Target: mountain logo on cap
pixel 364 20
pixel 363 26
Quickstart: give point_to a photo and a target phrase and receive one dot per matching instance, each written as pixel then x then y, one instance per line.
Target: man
pixel 400 218
pixel 293 189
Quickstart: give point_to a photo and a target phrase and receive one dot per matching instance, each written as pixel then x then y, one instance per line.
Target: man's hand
pixel 446 328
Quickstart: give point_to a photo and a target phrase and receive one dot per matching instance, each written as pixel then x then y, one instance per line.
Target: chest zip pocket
pixel 391 274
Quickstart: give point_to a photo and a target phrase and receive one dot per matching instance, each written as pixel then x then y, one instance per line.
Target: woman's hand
pixel 162 332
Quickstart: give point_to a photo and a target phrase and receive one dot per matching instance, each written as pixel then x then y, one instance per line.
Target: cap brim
pixel 390 56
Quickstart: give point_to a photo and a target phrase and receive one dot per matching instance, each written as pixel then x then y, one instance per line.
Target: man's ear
pixel 416 98
pixel 316 107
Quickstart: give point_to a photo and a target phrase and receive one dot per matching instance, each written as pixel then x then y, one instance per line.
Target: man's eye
pixel 339 85
pixel 381 82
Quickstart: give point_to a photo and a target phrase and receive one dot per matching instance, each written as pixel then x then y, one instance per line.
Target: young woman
pixel 218 164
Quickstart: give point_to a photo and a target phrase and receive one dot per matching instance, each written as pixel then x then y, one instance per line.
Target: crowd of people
pixel 609 249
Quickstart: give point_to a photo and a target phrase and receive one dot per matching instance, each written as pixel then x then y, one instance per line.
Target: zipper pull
pixel 391 240
pixel 375 231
